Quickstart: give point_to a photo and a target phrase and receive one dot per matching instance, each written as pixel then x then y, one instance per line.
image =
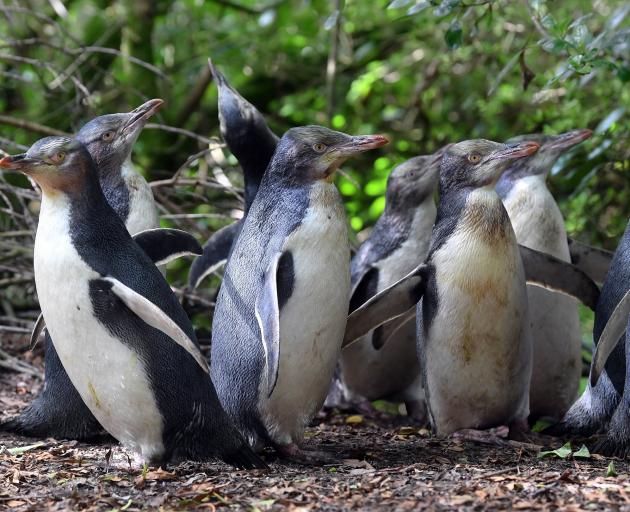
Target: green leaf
pixel 446 7
pixel 582 453
pixel 454 35
pixel 562 453
pixel 610 470
pixel 397 4
pixel 419 7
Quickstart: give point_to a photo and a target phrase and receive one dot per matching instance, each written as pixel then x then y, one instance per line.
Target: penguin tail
pixel 243 457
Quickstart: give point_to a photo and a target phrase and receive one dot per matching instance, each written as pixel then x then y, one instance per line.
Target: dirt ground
pixel 383 464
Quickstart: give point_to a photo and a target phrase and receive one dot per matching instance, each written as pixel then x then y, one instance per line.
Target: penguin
pixel 610 357
pixel 119 330
pixel 473 335
pixel 281 311
pixel 555 322
pixel 601 408
pixel 109 140
pixel 252 142
pixel 371 369
pixel 58 410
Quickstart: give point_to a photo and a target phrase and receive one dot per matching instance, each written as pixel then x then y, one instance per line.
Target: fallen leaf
pixel 354 419
pixel 19 450
pixel 562 453
pixel 582 453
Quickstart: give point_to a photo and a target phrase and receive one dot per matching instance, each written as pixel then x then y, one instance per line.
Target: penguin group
pixel 465 309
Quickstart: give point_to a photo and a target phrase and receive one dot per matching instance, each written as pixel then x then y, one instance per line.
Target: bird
pixel 602 406
pixel 372 369
pixel 252 142
pixel 281 310
pixel 109 140
pixel 555 322
pixel 119 330
pixel 473 338
pixel 58 411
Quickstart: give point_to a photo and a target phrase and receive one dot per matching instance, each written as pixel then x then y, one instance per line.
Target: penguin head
pixel 413 180
pixel 56 164
pixel 551 148
pixel 311 153
pixel 234 110
pixel 110 138
pixel 479 162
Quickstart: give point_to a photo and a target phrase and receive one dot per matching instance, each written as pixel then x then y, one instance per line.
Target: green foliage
pixel 425 72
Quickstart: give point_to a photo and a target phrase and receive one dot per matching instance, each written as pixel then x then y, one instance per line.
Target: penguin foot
pixel 611 447
pixel 496 436
pixel 293 453
pixel 31 424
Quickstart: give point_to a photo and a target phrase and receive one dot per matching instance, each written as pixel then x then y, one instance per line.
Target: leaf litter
pixel 384 462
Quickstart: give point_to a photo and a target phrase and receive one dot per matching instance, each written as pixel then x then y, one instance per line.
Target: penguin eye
pixel 107 136
pixel 474 158
pixel 319 147
pixel 58 157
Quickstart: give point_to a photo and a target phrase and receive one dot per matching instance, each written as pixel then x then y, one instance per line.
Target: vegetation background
pixel 425 72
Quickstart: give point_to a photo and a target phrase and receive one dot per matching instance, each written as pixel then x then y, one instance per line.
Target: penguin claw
pixel 293 453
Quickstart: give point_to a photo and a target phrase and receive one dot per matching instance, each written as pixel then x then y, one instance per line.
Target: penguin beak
pixel 18 163
pixel 567 140
pixel 139 116
pixel 359 144
pixel 512 152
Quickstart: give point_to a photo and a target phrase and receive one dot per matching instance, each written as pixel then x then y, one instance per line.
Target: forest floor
pixel 382 464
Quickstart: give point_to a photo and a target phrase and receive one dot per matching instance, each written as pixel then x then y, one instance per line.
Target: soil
pixel 384 463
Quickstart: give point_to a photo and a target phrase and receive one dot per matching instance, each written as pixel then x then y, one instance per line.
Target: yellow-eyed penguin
pixel 120 332
pixel 282 308
pixel 474 340
pixel 58 410
pixel 252 142
pixel 555 323
pixel 374 368
pixel 604 405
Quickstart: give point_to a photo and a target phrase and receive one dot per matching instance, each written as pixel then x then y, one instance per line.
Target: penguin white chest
pixel 142 210
pixel 107 374
pixel 478 345
pixel 313 320
pixel 554 318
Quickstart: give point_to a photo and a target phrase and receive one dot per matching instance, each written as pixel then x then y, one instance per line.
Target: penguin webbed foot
pixel 293 453
pixel 244 458
pixel 503 436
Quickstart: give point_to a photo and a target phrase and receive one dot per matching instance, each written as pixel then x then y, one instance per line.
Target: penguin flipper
pixel 153 316
pixel 267 311
pixel 215 253
pixel 388 330
pixel 611 335
pixel 38 328
pixel 591 260
pixel 163 245
pixel 554 274
pixel 364 288
pixel 390 303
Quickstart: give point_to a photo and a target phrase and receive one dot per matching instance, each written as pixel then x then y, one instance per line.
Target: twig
pixel 331 67
pixel 30 126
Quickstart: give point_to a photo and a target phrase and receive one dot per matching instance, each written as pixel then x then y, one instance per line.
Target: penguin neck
pixel 411 221
pixel 255 162
pixel 477 211
pixel 114 185
pixel 536 218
